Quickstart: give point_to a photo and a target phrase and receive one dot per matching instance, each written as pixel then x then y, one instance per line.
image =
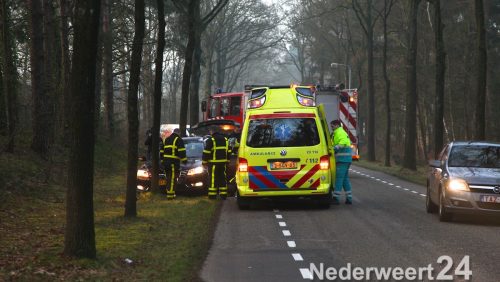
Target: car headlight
pixel 142 173
pixel 457 184
pixel 196 170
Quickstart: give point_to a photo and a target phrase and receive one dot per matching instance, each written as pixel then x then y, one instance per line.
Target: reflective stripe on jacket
pixel 343 154
pixel 216 149
pixel 173 149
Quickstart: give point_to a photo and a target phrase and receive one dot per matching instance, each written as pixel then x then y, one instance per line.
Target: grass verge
pixel 167 241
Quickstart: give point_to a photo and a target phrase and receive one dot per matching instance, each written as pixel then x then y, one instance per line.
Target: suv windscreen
pixel 282 132
pixel 475 156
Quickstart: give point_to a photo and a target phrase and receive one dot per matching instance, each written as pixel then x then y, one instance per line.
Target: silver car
pixel 465 179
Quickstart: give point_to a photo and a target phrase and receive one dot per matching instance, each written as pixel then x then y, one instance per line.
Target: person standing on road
pixel 172 154
pixel 216 154
pixel 343 159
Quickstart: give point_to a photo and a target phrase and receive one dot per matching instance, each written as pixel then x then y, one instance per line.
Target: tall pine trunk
pixel 79 237
pixel 410 160
pixel 158 93
pixel 440 79
pixel 107 37
pixel 132 109
pixel 9 75
pixel 480 113
pixel 188 64
pixel 40 142
pixel 64 101
pixel 388 145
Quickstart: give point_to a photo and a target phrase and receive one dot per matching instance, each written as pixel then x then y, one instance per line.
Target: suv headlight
pixel 457 184
pixel 196 170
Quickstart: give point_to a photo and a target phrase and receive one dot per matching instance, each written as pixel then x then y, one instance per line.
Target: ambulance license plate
pixel 283 165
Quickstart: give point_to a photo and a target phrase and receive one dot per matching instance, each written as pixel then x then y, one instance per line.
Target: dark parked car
pixel 231 130
pixel 193 175
pixel 465 179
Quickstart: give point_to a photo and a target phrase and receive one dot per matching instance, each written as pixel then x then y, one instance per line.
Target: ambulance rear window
pixel 282 132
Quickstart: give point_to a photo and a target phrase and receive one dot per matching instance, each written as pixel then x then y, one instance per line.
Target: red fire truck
pixel 341 104
pixel 230 106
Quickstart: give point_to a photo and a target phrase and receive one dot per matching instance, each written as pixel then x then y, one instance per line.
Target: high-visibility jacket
pixel 216 149
pixel 342 145
pixel 173 150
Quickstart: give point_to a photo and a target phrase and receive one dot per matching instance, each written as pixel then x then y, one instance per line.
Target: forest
pixel 74 72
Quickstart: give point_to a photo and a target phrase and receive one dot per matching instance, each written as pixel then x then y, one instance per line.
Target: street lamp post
pixel 348 68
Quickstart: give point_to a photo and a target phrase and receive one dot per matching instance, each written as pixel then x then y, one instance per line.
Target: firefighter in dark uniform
pixel 216 156
pixel 172 154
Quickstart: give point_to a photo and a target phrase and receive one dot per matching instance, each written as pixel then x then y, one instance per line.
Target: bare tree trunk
pixel 366 20
pixel 158 93
pixel 188 64
pixel 79 239
pixel 194 102
pixel 133 115
pixel 480 120
pixel 388 146
pixel 98 73
pixel 40 142
pixel 108 70
pixel 410 161
pixel 440 79
pixel 9 75
pixel 3 95
pixel 65 71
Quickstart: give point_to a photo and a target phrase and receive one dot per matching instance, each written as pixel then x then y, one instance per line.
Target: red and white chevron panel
pixel 348 114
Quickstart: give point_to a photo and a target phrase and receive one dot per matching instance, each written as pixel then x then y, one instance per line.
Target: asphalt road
pixel 386 227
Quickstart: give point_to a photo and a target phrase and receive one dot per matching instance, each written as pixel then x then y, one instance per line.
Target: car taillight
pixel 242 165
pixel 324 162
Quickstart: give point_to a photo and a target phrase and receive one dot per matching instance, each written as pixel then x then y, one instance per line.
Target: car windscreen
pixel 194 149
pixel 282 132
pixel 475 156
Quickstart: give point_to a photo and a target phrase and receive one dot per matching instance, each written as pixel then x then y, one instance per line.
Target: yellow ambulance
pixel 285 149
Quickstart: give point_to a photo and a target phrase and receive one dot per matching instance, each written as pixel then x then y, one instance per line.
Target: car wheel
pixel 444 215
pixel 430 207
pixel 243 204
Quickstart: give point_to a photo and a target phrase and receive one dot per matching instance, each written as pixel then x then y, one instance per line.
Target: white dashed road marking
pixel 388 183
pixel 279 216
pixel 297 257
pixel 282 223
pixel 306 273
pixel 291 244
pixel 287 233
